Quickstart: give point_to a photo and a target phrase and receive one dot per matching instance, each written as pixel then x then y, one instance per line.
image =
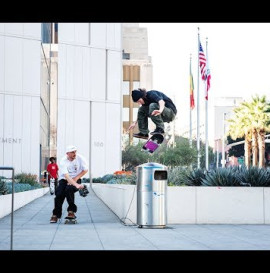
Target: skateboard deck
pixel 153 143
pixel 52 186
pixel 70 220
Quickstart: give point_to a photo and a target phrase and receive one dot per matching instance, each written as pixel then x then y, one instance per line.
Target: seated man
pixel 71 168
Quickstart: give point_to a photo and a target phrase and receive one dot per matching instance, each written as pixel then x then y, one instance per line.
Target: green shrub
pixel 126 179
pixel 177 176
pixel 112 181
pixel 3 187
pixel 133 156
pixel 181 176
pixel 85 180
pixel 116 179
pixel 97 180
pixel 221 177
pixel 107 177
pixel 26 178
pixel 103 179
pixel 254 177
pixel 18 187
pixel 195 177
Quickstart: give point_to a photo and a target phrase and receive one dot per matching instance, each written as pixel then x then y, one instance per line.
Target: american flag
pixel 202 63
pixel 205 71
pixel 208 78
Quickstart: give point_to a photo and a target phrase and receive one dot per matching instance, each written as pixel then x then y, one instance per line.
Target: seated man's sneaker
pixel 54 219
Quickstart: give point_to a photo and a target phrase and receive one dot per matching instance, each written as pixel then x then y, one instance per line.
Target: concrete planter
pixel 194 205
pixel 20 199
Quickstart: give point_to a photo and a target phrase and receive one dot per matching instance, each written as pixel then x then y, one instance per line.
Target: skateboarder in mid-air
pixel 155 105
pixel 71 168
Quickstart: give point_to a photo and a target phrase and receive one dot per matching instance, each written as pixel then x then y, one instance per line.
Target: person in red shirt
pixel 52 170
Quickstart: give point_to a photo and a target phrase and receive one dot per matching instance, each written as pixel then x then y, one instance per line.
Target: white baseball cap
pixel 71 148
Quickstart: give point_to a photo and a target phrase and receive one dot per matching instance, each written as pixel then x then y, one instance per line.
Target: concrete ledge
pixel 194 205
pixel 121 199
pixel 230 205
pixel 20 200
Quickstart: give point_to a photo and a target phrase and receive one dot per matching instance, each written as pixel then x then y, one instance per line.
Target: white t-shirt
pixel 73 168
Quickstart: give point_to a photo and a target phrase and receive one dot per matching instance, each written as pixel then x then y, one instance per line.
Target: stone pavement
pixel 99 228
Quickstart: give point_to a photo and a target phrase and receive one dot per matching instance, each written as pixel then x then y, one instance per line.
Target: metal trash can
pixel 151 195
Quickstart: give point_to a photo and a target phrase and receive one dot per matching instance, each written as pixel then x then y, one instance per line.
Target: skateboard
pixel 70 220
pixel 52 186
pixel 153 143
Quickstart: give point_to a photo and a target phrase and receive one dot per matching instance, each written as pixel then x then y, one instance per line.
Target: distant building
pixel 137 69
pixel 223 110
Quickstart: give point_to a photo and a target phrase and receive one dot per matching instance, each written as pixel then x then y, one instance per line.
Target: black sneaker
pixel 158 131
pixel 140 135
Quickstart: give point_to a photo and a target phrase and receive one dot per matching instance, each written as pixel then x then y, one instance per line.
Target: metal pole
pixel 206 135
pixel 190 106
pixel 198 106
pixel 206 115
pixel 12 210
pixel 217 150
pixel 130 103
pixel 223 141
pixel 12 205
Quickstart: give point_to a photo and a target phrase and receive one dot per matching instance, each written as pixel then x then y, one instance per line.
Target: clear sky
pixel 238 55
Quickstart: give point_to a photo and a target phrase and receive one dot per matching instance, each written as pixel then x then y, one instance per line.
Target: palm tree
pixel 260 116
pixel 239 127
pixel 247 109
pixel 252 122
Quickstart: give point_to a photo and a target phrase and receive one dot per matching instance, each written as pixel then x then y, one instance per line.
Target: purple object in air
pixel 153 143
pixel 152 146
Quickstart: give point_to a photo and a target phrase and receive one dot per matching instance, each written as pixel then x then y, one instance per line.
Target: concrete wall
pixel 20 200
pixel 20 96
pixel 89 93
pixel 195 205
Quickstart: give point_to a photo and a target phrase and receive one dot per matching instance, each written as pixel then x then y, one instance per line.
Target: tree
pixel 259 117
pixel 239 128
pixel 132 156
pixel 180 155
pixel 237 150
pixel 252 121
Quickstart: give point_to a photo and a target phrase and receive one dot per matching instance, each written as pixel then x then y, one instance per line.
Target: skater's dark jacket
pixel 155 96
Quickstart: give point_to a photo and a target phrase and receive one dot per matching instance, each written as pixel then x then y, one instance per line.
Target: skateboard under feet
pixel 70 220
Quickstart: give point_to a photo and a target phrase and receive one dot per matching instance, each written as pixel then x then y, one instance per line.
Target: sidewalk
pixel 99 228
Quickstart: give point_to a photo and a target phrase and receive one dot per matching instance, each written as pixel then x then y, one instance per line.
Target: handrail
pixel 12 204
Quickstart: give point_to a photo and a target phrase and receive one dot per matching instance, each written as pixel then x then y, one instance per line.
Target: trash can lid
pixel 151 165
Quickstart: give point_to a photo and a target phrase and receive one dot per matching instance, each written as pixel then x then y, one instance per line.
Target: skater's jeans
pixel 144 112
pixel 64 191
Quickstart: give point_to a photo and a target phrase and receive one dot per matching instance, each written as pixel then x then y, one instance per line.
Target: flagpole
pixel 206 114
pixel 198 106
pixel 190 110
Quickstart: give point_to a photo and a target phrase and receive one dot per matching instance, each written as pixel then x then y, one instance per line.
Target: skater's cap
pixel 71 148
pixel 136 95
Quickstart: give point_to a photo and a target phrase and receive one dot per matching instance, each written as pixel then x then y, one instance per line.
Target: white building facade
pixel 89 102
pixel 20 91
